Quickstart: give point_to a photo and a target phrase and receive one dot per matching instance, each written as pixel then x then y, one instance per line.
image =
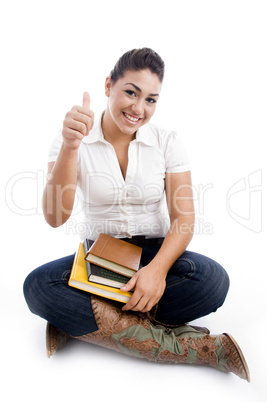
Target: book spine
pixel 104 246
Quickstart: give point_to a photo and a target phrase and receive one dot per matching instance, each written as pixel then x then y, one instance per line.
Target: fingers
pixel 81 118
pixel 133 302
pixel 126 288
pixel 140 303
pixel 71 135
pixel 147 291
pixel 78 121
pixel 129 285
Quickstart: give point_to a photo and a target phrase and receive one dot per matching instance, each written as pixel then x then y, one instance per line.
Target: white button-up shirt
pixel 136 205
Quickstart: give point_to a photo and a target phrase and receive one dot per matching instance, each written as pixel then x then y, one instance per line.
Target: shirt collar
pixel 144 134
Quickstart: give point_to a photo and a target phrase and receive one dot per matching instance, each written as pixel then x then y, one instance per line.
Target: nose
pixel 138 106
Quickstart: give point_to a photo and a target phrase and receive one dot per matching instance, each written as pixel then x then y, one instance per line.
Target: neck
pixel 111 131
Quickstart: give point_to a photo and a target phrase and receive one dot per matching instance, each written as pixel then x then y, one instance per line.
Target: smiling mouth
pixel 131 118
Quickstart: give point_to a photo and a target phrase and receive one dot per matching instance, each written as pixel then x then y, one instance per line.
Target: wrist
pixel 69 151
pixel 159 268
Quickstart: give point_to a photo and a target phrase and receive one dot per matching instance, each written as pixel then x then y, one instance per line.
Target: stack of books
pixel 104 266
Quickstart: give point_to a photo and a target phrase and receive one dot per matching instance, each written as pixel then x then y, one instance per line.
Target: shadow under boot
pixel 135 335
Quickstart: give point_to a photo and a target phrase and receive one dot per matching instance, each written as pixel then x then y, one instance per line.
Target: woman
pixel 133 180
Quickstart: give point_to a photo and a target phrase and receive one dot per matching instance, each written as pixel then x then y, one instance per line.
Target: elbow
pixel 52 215
pixel 51 221
pixel 54 212
pixel 55 222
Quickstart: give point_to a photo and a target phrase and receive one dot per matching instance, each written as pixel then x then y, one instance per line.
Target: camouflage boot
pixel 135 335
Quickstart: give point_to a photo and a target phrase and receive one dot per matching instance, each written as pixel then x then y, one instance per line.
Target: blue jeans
pixel 195 287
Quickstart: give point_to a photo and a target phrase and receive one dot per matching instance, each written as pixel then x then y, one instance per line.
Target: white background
pixel 214 94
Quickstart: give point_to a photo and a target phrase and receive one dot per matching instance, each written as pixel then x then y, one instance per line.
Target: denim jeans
pixel 195 286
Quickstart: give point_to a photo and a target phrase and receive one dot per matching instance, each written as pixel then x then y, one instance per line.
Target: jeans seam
pixel 191 263
pixel 66 274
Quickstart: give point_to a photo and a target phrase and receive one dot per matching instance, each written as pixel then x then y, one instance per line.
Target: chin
pixel 130 131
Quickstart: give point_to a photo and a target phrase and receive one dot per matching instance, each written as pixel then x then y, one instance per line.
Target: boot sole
pixel 242 358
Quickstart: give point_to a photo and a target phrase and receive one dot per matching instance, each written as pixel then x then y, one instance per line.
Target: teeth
pixel 131 118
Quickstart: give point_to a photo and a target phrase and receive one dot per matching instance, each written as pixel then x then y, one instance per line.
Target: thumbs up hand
pixel 77 123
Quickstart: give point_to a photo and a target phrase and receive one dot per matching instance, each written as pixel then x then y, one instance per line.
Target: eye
pixel 151 100
pixel 130 92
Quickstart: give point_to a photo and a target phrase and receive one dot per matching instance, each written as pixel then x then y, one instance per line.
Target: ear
pixel 107 86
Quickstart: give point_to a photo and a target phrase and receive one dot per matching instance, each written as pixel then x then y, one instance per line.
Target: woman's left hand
pixel 149 285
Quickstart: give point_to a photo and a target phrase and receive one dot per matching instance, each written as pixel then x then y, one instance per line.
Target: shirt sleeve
pixel 176 158
pixel 55 147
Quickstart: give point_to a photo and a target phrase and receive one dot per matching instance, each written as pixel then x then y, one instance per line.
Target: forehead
pixel 144 79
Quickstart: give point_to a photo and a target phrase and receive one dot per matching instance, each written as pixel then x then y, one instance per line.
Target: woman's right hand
pixel 77 123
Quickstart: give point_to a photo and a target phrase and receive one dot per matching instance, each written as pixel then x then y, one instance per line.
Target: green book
pixel 100 275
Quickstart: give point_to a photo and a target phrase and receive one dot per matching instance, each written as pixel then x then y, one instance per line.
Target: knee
pixel 42 285
pixel 31 291
pixel 37 286
pixel 217 282
pixel 223 284
pixel 211 278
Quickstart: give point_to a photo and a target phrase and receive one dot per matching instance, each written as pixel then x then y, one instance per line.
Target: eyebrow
pixel 138 89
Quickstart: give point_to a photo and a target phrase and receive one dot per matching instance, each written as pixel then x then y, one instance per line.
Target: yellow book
pixel 78 279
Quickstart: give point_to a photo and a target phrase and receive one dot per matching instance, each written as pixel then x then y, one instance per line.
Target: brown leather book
pixel 115 254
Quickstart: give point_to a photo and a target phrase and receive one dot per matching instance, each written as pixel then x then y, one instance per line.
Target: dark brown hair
pixel 138 59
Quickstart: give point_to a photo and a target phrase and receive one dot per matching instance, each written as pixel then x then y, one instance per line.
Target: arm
pixel 150 281
pixel 182 217
pixel 59 193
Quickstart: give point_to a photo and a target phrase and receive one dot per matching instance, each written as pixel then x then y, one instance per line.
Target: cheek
pixel 116 104
pixel 150 111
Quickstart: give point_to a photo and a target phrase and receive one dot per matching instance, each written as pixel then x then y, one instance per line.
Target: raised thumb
pixel 86 100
